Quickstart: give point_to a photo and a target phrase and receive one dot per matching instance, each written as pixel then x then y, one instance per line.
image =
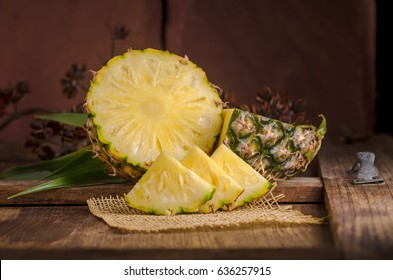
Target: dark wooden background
pixel 323 51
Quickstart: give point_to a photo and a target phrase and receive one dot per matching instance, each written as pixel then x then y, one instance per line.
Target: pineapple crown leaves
pixel 85 178
pixel 79 168
pixel 76 169
pixel 74 119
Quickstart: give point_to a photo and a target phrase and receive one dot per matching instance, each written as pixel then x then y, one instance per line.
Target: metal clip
pixel 364 171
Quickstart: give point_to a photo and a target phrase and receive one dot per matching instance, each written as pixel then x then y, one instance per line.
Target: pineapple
pixel 227 189
pixel 168 188
pixel 148 101
pixel 254 184
pixel 274 148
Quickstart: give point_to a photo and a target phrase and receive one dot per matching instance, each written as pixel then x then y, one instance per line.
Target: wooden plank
pixel 301 190
pixel 243 47
pixel 85 39
pixel 296 190
pixel 361 216
pixel 73 195
pixel 31 232
pixel 323 253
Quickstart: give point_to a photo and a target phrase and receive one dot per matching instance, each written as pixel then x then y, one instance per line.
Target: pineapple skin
pixel 118 164
pixel 273 148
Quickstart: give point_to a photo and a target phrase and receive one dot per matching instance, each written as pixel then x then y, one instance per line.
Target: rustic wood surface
pixel 58 224
pixel 296 190
pixel 361 216
pixel 72 232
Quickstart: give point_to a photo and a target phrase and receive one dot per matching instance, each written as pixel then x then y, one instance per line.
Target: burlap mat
pixel 116 213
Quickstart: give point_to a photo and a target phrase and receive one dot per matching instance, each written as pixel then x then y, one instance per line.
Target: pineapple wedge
pixel 254 184
pixel 148 101
pixel 169 188
pixel 227 189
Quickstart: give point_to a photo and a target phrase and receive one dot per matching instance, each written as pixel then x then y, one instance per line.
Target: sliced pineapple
pixel 148 101
pixel 272 147
pixel 227 189
pixel 168 188
pixel 254 184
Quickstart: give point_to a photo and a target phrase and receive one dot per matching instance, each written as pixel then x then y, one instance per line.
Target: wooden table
pixel 58 225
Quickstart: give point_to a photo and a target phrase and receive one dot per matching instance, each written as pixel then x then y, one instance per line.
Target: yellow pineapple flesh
pixel 148 101
pixel 254 184
pixel 227 189
pixel 169 188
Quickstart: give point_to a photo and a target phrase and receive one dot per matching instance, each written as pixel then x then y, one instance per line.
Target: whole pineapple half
pixel 145 102
pixel 274 148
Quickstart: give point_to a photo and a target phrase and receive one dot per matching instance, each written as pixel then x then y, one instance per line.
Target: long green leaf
pixel 78 179
pixel 85 162
pixel 75 119
pixel 42 169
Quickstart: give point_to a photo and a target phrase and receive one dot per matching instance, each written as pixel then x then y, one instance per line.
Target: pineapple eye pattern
pixel 272 147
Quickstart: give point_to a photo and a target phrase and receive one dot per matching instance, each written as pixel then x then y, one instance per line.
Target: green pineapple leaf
pixel 74 119
pixel 43 169
pixel 79 168
pixel 79 178
pixel 85 162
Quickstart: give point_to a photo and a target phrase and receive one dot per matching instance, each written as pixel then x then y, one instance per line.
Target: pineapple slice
pixel 254 184
pixel 272 147
pixel 148 101
pixel 168 188
pixel 227 189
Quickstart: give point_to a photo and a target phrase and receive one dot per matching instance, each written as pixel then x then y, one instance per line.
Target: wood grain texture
pixel 300 190
pixel 71 195
pixel 322 51
pixel 40 41
pixel 361 216
pixel 73 232
pixel 296 190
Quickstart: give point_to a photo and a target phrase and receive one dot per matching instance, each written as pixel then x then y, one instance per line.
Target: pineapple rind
pixel 227 189
pixel 117 166
pixel 175 211
pixel 169 188
pixel 273 148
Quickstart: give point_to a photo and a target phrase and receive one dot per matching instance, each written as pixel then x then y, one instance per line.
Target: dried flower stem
pixel 17 115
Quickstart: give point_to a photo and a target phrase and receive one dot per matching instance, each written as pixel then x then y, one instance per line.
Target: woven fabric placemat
pixel 116 213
